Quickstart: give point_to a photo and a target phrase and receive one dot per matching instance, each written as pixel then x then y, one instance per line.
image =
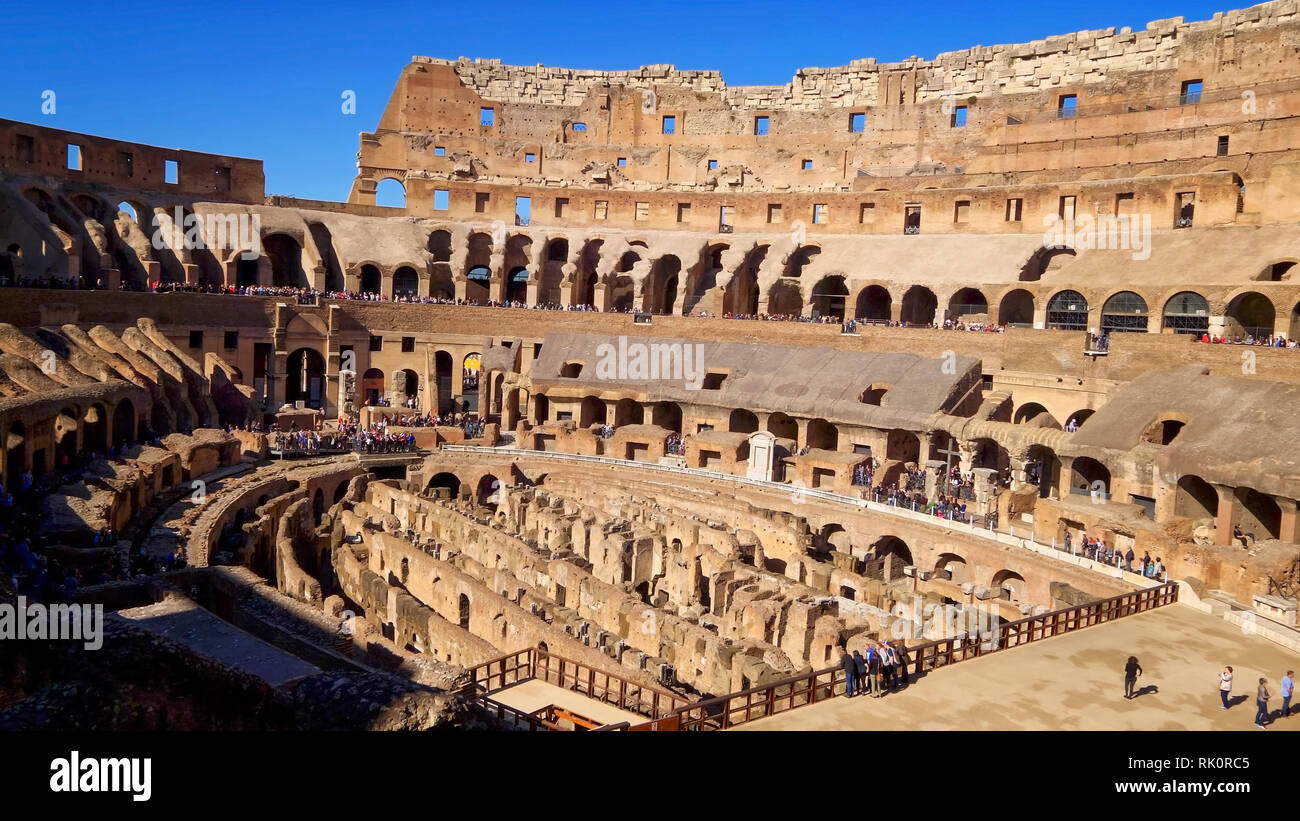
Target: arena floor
pixel 1075 682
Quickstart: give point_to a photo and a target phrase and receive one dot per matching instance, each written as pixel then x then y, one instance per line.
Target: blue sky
pixel 265 79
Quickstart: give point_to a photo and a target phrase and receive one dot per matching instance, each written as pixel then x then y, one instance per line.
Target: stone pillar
pixel 1063 476
pixel 985 480
pixel 1223 521
pixel 567 281
pixel 1287 529
pixel 191 274
pixel 933 468
pixel 1018 475
pixel 275 378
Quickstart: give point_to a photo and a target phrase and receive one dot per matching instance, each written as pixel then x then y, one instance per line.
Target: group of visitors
pixel 1099 551
pixel 1262 695
pixel 881 670
pixel 1271 341
pixel 675 445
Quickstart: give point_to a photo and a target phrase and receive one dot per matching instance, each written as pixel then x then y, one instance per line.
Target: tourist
pixel 1239 536
pixel 1288 687
pixel 1131 672
pixel 873 672
pixel 850 670
pixel 1068 547
pixel 1225 686
pixel 860 666
pixel 1128 560
pixel 1261 700
pixel 891 667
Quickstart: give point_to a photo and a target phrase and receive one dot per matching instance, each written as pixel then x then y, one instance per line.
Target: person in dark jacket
pixel 1131 672
pixel 861 668
pixel 873 672
pixel 850 672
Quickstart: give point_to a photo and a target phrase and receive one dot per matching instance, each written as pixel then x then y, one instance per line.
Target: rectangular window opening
pixel 74 157
pixel 171 172
pixel 670 124
pixel 959 116
pixel 487 116
pixel 1067 106
pixel 441 199
pixel 760 126
pixel 857 123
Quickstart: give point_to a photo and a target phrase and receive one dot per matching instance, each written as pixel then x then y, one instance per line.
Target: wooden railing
pixel 798 691
pixel 609 688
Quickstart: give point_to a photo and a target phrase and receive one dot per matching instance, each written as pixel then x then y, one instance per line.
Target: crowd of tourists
pixel 1271 341
pixel 1099 551
pixel 881 670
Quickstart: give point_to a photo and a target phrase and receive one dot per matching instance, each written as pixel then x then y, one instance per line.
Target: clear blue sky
pixel 264 79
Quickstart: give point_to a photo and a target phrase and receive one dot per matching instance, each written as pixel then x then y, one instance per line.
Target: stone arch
pixel 1016 308
pixel 445 480
pixel 94 437
pixel 1067 310
pixel 1257 513
pixel 1089 476
pixel 439 245
pixel 902 446
pixel 371 280
pixel 285 254
pixel 742 421
pixel 952 567
pixel 592 412
pixel 1031 411
pixel 372 386
pixel 823 435
pixel 1124 312
pixel 662 284
pixel 1041 260
pixel 967 302
pixel 1010 584
pixel 667 415
pixel 919 306
pixel 390 192
pixel 1250 314
pixel 1164 428
pixel 1186 312
pixel 628 412
pixel 406 283
pixel 784 299
pixel 800 259
pixel 1279 271
pixel 1079 417
pixel 873 304
pixel 828 296
pixel 892 546
pixel 1195 498
pixel 782 426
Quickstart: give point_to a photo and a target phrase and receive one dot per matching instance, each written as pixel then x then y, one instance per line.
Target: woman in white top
pixel 1225 685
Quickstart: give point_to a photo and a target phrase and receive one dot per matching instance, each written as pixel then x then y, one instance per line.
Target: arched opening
pixel 989 455
pixel 412 382
pixel 1186 312
pixel 592 412
pixel 462 604
pixel 902 446
pixel 828 296
pixel 919 306
pixel 130 210
pixel 517 285
pixel 892 546
pixel 1017 309
pixel 488 492
pixel 742 421
pixel 1090 478
pixel 444 485
pixel 439 245
pixel 324 243
pixel 1257 513
pixel 1032 413
pixel 667 415
pixel 782 426
pixel 1250 315
pixel 968 305
pixel 246 272
pixel 1075 420
pixel 628 412
pixel 94 437
pixel 874 304
pixel 1124 312
pixel 1277 272
pixel 65 438
pixel 286 261
pixel 124 424
pixel 442 376
pixel 1195 498
pixel 305 378
pixel 541 409
pixel 1042 468
pixel 470 369
pixel 1042 260
pixel 318 505
pixel 784 299
pixel 951 567
pixel 799 260
pixel 371 280
pixel 622 293
pixel 1010 585
pixel 406 283
pixel 663 284
pixel 1163 431
pixel 823 435
pixel 874 394
pixel 390 193
pixel 372 386
pixel 1067 311
pixel 741 294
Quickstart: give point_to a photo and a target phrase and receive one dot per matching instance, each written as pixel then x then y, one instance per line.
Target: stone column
pixel 1223 521
pixel 1063 476
pixel 1018 474
pixel 933 468
pixel 1287 530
